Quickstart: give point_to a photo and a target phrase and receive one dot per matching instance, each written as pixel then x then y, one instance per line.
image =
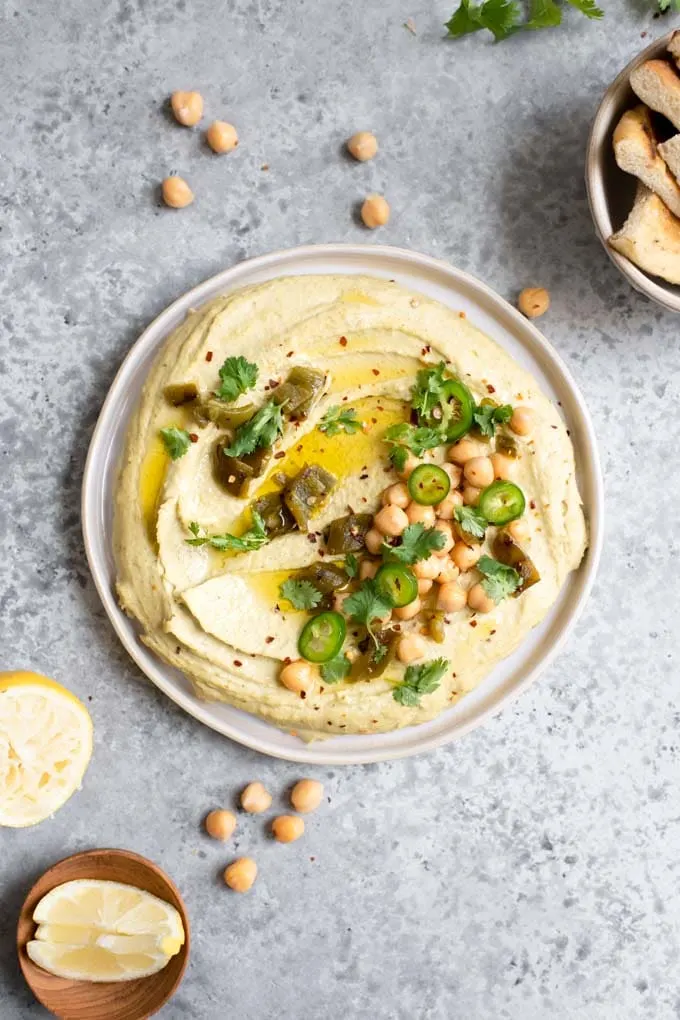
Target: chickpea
pixel 463 451
pixel 479 601
pixel 465 556
pixel 363 145
pixel 446 531
pixel 409 611
pixel 451 597
pixel 471 495
pixel 454 472
pixel 503 467
pixel 176 192
pixel 419 514
pixel 427 569
pixel 397 495
pixel 533 301
pixel 375 212
pixel 523 420
pixel 221 137
pixel 445 510
pixel 306 795
pixel 368 568
pixel 298 676
pixel 220 824
pixel 187 107
pixel 411 647
pixel 287 828
pixel 479 472
pixel 448 570
pixel 255 799
pixel 424 585
pixel 518 531
pixel 391 520
pixel 241 874
pixel 374 540
pixel 409 467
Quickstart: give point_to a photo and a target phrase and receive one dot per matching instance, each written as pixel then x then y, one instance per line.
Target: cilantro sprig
pixel 403 438
pixel 263 429
pixel 340 419
pixel 237 375
pixel 336 670
pixel 176 441
pixel 366 605
pixel 487 416
pixel 420 680
pixel 504 18
pixel 254 538
pixel 417 543
pixel 300 593
pixel 499 580
pixel 471 520
pixel 351 565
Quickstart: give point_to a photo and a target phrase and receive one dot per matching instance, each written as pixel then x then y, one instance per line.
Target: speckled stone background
pixel 530 871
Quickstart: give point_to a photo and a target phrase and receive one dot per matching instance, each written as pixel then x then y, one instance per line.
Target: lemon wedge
pixel 90 930
pixel 45 747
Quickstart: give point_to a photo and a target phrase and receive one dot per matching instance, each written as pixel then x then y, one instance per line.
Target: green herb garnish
pixel 414 438
pixel 237 375
pixel 340 419
pixel 351 565
pixel 176 441
pixel 419 680
pixel 504 17
pixel 301 594
pixel 417 543
pixel 336 670
pixel 471 520
pixel 254 538
pixel 499 580
pixel 488 416
pixel 367 604
pixel 263 429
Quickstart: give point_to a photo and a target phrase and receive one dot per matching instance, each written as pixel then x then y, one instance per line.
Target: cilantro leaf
pixel 417 542
pixel 367 604
pixel 351 565
pixel 301 594
pixel 471 520
pixel 501 17
pixel 263 429
pixel 543 14
pixel 429 389
pixel 488 416
pixel 420 680
pixel 499 580
pixel 254 538
pixel 339 419
pixel 591 10
pixel 176 441
pixel 336 670
pixel 236 376
pixel 403 437
pixel 465 20
pixel 379 652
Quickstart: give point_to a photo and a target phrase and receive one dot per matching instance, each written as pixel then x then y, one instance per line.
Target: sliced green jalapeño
pixel 501 502
pixel 454 412
pixel 322 637
pixel 397 582
pixel 428 484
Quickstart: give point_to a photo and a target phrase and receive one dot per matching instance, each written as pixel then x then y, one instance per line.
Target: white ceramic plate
pixel 487 311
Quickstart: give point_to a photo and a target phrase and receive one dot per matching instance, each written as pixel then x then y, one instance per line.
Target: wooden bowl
pixel 119 1000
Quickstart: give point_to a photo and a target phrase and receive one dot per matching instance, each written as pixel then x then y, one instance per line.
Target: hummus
pixel 218 616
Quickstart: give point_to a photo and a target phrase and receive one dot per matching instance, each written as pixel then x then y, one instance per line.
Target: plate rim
pixel 595 516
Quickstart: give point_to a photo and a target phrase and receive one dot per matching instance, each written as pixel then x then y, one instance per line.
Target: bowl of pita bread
pixel 633 171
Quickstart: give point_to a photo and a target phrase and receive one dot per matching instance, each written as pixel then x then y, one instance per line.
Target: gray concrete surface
pixel 530 871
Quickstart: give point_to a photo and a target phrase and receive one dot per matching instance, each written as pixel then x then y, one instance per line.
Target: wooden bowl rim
pixel 50 878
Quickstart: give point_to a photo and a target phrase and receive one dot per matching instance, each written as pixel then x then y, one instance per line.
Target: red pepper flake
pixel 279 455
pixel 380 408
pixel 287 661
pixel 290 354
pixel 375 371
pixel 374 421
pixel 311 538
pixel 364 500
pixel 362 478
pixel 321 553
pixel 273 383
pixel 208 356
pixel 268 640
pixel 473 623
pixel 553 426
pixel 343 341
pixel 490 388
pixel 193 437
pixel 266 388
pixel 298 448
pixel 492 632
pixel 423 350
pixel 462 315
pixel 177 651
pixel 237 662
pixel 532 504
pixel 303 694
